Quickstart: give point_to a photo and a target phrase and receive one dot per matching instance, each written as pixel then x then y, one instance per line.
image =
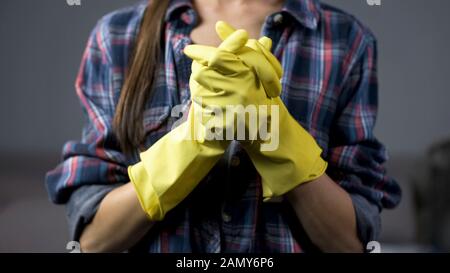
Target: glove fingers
pixel 268 69
pixel 199 53
pixel 235 41
pixel 224 30
pixel 264 71
pixel 272 59
pixel 209 79
pixel 266 42
pixel 264 48
pixel 224 62
pixel 269 80
pixel 227 63
pixel 263 45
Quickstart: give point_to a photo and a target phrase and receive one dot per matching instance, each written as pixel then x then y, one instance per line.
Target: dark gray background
pixel 40 51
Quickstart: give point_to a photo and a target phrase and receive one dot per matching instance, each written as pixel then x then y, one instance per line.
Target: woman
pixel 134 73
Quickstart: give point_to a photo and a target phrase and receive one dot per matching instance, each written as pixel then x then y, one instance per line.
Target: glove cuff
pixel 143 187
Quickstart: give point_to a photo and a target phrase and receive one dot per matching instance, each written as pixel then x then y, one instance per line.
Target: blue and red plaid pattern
pixel 329 86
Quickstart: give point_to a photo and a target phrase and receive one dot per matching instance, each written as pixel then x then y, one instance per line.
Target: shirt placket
pixel 207 233
pixel 238 168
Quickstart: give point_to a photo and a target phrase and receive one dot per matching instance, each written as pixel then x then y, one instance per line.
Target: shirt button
pixel 235 161
pixel 278 19
pixel 226 217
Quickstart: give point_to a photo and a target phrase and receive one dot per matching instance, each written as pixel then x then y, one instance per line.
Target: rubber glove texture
pixel 296 158
pixel 172 167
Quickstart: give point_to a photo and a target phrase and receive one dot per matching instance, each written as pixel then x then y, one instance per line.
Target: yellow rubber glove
pixel 221 80
pixel 296 159
pixel 172 167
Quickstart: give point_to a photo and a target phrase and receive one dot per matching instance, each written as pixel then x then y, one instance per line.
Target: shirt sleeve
pixel 368 219
pixel 83 205
pixel 356 158
pixel 96 159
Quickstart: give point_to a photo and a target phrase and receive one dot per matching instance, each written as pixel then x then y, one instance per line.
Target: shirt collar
pixel 175 5
pixel 307 12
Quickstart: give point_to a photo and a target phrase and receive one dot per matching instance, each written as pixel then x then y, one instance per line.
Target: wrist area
pixel 294 161
pixel 148 199
pixel 285 182
pixel 303 148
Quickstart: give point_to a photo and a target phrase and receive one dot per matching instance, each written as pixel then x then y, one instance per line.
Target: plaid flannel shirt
pixel 329 87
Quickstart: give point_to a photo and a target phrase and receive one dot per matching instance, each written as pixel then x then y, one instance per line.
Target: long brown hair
pixel 128 119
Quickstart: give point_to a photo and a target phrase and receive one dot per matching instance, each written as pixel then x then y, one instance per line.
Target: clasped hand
pixel 234 87
pixel 243 72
